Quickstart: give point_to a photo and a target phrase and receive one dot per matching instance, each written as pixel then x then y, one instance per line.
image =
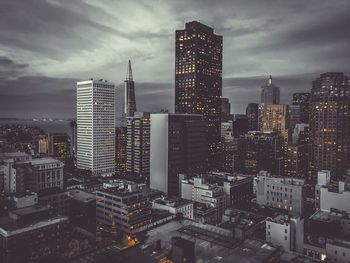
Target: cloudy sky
pixel 47 45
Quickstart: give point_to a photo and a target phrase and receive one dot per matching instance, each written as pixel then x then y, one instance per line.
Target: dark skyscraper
pixel 302 99
pixel 130 100
pixel 330 124
pixel 270 94
pixel 198 80
pixel 252 113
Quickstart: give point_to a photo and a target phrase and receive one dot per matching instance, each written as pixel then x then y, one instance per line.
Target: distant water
pixel 47 126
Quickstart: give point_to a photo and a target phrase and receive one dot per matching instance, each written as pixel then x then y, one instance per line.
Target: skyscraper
pixel 302 99
pixel 59 146
pixel 330 124
pixel 138 145
pixel 96 126
pixel 130 100
pixel 252 112
pixel 276 118
pixel 270 93
pixel 178 146
pixel 198 80
pixel 120 150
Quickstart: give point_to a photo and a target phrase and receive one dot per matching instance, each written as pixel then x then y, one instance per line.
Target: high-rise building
pixel 178 146
pixel 257 151
pixel 303 100
pixel 240 125
pixel 73 125
pixel 96 126
pixel 225 110
pixel 120 150
pixel 270 93
pixel 275 118
pixel 227 144
pixel 330 124
pixel 43 146
pixel 138 145
pixel 252 113
pixel 198 80
pixel 59 146
pixel 130 100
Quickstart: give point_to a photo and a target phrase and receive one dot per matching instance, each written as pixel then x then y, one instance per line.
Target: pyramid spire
pixel 270 80
pixel 129 72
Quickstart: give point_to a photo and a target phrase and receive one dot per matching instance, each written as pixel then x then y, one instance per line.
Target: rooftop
pixel 82 196
pixel 173 202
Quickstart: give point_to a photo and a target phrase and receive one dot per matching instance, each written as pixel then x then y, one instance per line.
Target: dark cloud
pixel 47 45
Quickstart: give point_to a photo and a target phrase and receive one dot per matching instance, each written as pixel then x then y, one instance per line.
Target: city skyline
pixel 46 50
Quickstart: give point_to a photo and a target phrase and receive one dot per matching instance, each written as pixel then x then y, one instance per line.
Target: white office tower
pixel 96 127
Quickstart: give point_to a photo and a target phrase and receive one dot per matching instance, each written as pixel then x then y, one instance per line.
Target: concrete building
pixel 96 127
pixel 330 125
pixel 175 206
pixel 276 118
pixel 59 146
pixel 39 174
pixel 252 112
pixel 287 232
pixel 138 145
pixel 33 234
pixel 178 146
pixel 281 192
pixel 227 144
pixel 120 150
pixel 124 206
pixel 197 190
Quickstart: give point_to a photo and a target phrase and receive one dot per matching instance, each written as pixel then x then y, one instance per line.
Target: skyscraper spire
pixel 270 79
pixel 129 72
pixel 130 101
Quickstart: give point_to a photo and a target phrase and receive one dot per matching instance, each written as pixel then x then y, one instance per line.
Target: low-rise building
pixel 198 190
pixel 287 232
pixel 281 192
pixel 175 206
pixel 124 206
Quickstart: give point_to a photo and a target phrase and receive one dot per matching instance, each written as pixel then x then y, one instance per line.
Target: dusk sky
pixel 47 45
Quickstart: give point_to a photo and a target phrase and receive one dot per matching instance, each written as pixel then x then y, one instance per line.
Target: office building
pixel 182 250
pixel 123 205
pixel 43 146
pixel 39 174
pixel 130 100
pixel 227 144
pixel 198 190
pixel 138 145
pixel 120 149
pixel 302 99
pixel 276 118
pixel 59 146
pixel 225 110
pixel 198 80
pixel 96 127
pixel 252 113
pixel 178 146
pixel 270 93
pixel 33 234
pixel 330 124
pixel 286 232
pixel 281 192
pixel 240 125
pixel 257 151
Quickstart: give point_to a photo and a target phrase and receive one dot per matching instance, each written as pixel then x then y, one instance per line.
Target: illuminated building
pixel 125 205
pixel 178 146
pixel 198 80
pixel 270 93
pixel 96 127
pixel 227 144
pixel 330 124
pixel 138 145
pixel 120 150
pixel 59 146
pixel 130 100
pixel 275 118
pixel 43 146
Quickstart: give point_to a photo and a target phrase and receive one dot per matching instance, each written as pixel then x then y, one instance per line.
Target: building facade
pixel 96 127
pixel 198 79
pixel 130 99
pixel 330 124
pixel 178 146
pixel 252 112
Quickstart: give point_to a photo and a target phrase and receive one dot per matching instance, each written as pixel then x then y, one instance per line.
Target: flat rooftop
pixel 82 196
pixel 173 202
